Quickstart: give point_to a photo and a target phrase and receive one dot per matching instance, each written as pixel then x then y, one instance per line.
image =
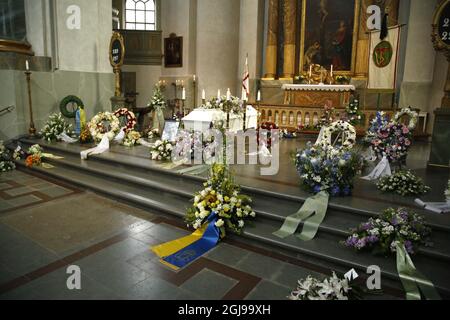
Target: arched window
pixel 140 15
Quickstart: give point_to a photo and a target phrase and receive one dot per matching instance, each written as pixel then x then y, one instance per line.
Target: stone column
pixel 272 40
pixel 290 19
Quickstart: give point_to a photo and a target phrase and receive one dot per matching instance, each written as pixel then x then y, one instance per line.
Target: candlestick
pixel 244 95
pixel 32 129
pixel 245 115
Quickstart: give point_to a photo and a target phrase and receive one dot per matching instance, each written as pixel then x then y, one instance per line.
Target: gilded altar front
pixel 317 95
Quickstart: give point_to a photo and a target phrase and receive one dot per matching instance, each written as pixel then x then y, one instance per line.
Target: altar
pixel 201 119
pixel 314 95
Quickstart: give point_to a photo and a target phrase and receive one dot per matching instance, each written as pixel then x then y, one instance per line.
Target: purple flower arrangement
pixel 392 141
pixel 322 170
pixel 392 227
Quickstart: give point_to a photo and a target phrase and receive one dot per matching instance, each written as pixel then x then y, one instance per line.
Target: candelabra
pixel 32 129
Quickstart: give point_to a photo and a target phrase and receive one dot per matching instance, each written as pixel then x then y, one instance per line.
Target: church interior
pixel 224 150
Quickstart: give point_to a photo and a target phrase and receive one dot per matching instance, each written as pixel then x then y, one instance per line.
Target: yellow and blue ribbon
pixel 179 253
pixel 80 120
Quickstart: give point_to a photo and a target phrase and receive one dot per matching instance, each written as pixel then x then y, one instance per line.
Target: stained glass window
pixel 140 15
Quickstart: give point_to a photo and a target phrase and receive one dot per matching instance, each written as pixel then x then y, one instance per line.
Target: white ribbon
pixel 100 148
pixel 383 169
pixel 436 207
pixel 145 143
pixel 64 137
pixel 263 151
pixel 120 136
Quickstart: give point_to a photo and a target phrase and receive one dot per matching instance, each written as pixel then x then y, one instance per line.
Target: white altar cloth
pixel 200 119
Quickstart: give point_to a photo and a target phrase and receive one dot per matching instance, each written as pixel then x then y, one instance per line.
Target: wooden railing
pixel 291 117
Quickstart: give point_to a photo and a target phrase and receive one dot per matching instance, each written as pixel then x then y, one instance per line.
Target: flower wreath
pixel 129 116
pixel 97 128
pixel 392 141
pixel 413 117
pixel 348 140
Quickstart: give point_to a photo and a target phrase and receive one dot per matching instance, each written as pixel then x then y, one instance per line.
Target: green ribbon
pixel 311 213
pixel 195 170
pixel 413 281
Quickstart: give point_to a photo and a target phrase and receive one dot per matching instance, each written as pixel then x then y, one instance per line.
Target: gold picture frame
pixel 438 43
pixel 351 72
pixel 117 39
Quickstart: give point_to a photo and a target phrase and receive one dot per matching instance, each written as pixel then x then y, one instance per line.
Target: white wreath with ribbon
pixel 96 126
pixel 347 133
pixel 413 117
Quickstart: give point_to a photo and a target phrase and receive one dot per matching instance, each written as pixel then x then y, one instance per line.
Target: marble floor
pixel 46 226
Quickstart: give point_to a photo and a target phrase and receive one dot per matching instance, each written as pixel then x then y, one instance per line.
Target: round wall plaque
pixel 116 50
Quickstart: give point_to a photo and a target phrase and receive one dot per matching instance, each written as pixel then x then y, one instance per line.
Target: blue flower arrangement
pixel 321 169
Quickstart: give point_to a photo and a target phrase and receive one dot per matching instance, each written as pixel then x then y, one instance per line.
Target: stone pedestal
pixel 118 102
pixel 440 148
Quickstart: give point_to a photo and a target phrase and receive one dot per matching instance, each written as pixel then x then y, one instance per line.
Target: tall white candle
pixel 258 98
pixel 203 94
pixel 218 94
pixel 310 70
pixel 27 65
pixel 331 70
pixel 228 94
pixel 183 95
pixel 194 77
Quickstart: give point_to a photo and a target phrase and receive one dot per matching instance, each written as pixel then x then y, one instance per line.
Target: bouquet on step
pixel 54 127
pixel 403 183
pixel 7 158
pixel 161 150
pixel 333 288
pixel 391 228
pixel 222 196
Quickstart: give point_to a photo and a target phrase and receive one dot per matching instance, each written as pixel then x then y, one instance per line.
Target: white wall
pixel 420 57
pixel 251 41
pixel 175 18
pixel 217 45
pixel 146 77
pixel 85 49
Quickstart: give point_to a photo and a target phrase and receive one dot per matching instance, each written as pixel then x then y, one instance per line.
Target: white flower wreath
pixel 413 117
pixel 348 136
pixel 97 128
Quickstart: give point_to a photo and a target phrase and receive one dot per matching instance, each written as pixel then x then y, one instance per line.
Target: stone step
pixel 134 158
pixel 137 158
pixel 325 246
pixel 337 222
